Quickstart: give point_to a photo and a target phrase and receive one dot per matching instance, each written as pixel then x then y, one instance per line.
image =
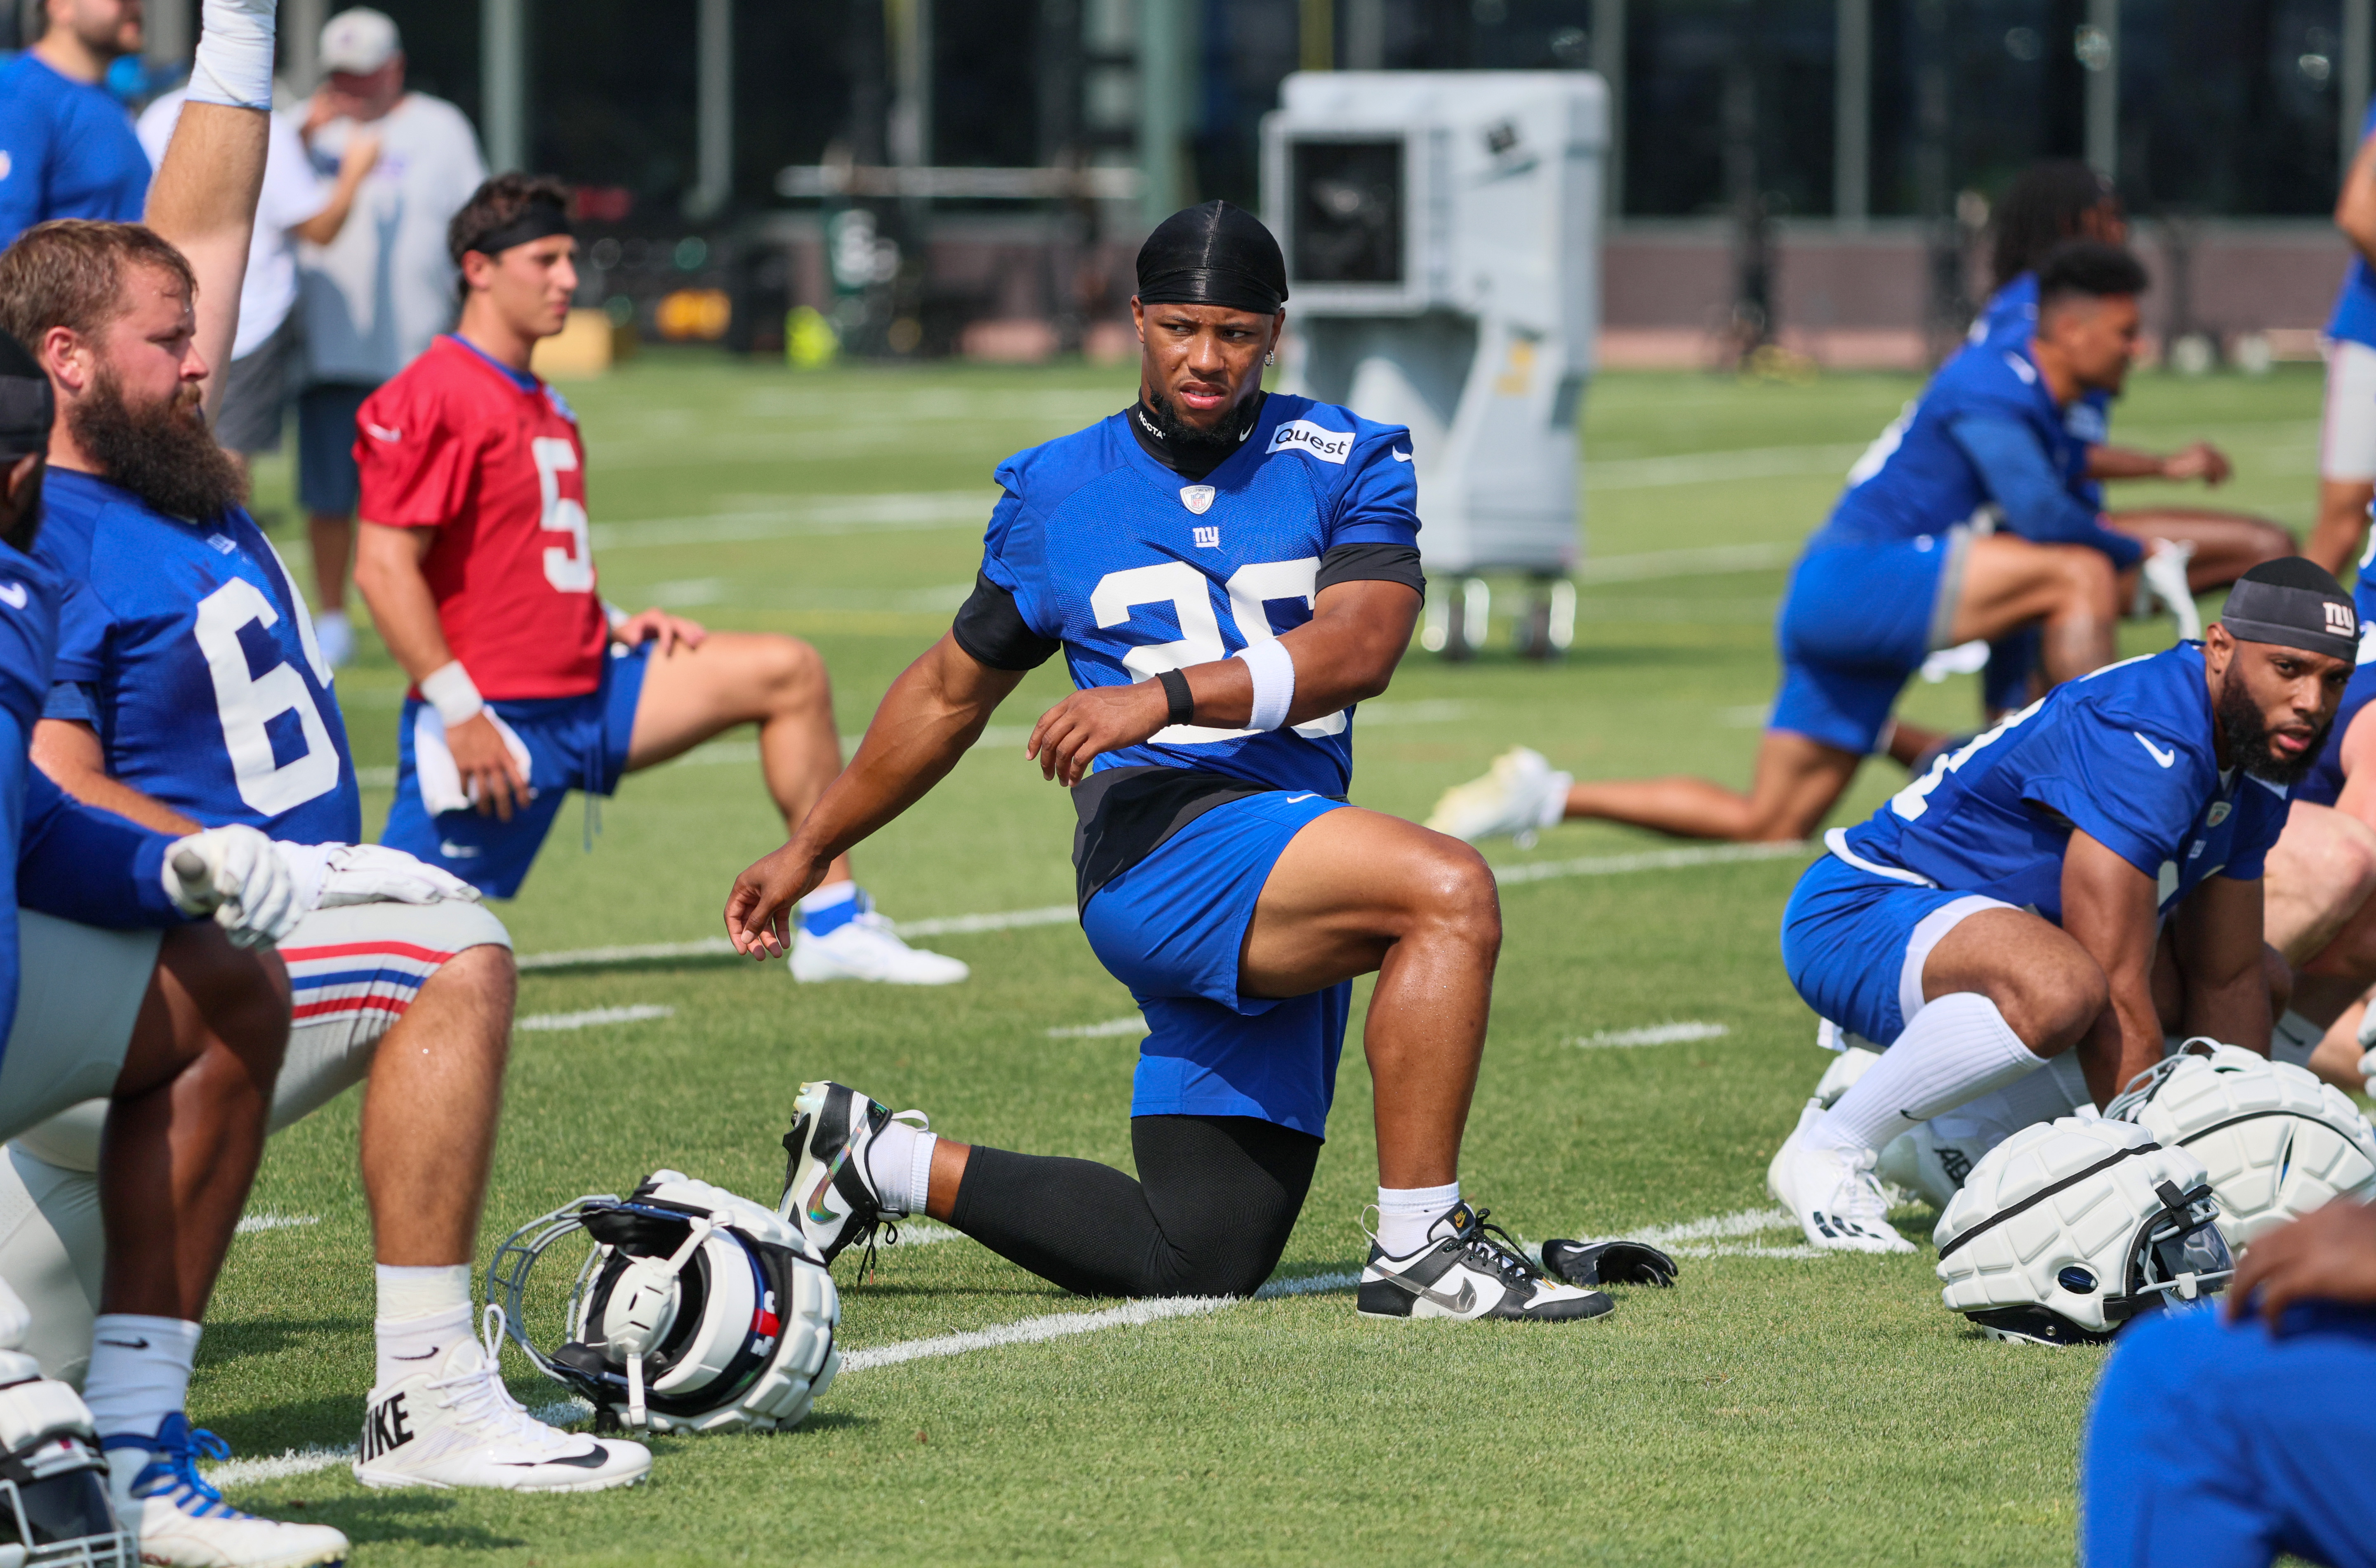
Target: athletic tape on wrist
pixel 1180 701
pixel 1273 669
pixel 233 62
pixel 449 690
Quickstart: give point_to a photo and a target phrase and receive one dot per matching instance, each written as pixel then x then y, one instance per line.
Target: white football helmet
pixel 695 1310
pixel 55 1510
pixel 2277 1143
pixel 2068 1229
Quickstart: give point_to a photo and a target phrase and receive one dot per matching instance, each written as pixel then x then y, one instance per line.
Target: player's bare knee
pixel 1457 890
pixel 793 674
pixel 2089 583
pixel 482 983
pixel 2054 999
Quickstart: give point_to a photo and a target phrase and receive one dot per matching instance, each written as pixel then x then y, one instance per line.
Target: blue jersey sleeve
pixel 1008 560
pixel 86 865
pixel 1380 502
pixel 25 138
pixel 73 701
pixel 2037 506
pixel 2135 792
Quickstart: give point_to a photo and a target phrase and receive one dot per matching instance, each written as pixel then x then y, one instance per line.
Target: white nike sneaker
pixel 1839 1205
pixel 865 947
pixel 182 1521
pixel 456 1424
pixel 828 1192
pixel 1463 1272
pixel 1521 795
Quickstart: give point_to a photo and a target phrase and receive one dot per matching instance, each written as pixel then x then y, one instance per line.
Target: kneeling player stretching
pixel 2008 905
pixel 1222 875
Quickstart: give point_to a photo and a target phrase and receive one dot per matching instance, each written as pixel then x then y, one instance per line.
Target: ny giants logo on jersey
pixel 1312 441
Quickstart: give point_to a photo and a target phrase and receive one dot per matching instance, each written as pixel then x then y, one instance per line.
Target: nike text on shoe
pixel 1520 795
pixel 1464 1272
pixel 454 1424
pixel 865 948
pixel 1833 1191
pixel 182 1521
pixel 827 1190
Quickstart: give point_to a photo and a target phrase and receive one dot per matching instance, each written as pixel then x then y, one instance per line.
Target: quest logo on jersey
pixel 1312 440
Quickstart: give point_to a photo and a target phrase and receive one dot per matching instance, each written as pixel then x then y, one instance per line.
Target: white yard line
pixel 1719 1236
pixel 595 1017
pixel 250 1224
pixel 1656 1034
pixel 1134 1025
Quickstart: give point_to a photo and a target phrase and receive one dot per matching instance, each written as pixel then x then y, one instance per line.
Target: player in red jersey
pixel 476 561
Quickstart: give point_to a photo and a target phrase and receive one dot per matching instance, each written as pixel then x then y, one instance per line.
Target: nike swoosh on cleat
pixel 816 1210
pixel 1462 1303
pixel 422 1356
pixel 590 1460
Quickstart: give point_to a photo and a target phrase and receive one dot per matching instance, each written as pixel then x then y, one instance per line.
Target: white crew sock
pixel 899 1163
pixel 2294 1038
pixel 423 1311
pixel 1407 1214
pixel 140 1372
pixel 1955 1049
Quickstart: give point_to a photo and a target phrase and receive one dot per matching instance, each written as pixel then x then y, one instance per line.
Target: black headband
pixel 538 221
pixel 27 404
pixel 2309 618
pixel 1212 254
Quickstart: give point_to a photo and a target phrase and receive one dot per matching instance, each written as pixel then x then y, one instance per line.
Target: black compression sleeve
pixel 1210 1214
pixel 1372 563
pixel 992 630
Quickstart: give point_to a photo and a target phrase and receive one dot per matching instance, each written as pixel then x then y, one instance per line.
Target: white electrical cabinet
pixel 1442 231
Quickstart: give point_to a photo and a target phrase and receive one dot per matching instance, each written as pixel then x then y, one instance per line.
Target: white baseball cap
pixel 357 42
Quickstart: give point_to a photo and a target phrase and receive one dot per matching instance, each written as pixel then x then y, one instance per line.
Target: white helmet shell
pixel 2068 1227
pixel 2276 1142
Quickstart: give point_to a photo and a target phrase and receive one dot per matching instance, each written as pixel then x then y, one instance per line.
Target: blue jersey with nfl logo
pixel 2125 756
pixel 194 653
pixel 1137 571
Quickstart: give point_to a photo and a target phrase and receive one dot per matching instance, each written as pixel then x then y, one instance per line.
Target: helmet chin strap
pixel 645 1304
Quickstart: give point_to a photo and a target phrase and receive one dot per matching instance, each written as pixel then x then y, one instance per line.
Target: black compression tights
pixel 1208 1216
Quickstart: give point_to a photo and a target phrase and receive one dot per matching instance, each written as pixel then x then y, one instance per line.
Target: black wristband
pixel 1175 692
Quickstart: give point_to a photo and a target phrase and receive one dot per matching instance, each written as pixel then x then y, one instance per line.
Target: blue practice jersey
pixel 1918 480
pixel 197 655
pixel 66 151
pixel 1137 571
pixel 2354 320
pixel 2125 756
pixel 2010 320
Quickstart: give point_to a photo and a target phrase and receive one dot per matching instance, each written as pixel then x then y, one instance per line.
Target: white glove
pixel 374 873
pixel 239 877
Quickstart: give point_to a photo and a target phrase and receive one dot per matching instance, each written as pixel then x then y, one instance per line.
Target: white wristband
pixel 233 64
pixel 449 690
pixel 1273 669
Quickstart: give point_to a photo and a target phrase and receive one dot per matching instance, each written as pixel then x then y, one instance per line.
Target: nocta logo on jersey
pixel 1197 498
pixel 1312 440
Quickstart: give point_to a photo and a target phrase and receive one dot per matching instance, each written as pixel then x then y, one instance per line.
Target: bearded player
pixel 475 559
pixel 189 694
pixel 1226 574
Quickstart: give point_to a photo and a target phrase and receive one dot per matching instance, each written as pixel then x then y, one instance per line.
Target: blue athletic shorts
pixel 1858 620
pixel 328 482
pixel 1171 928
pixel 1854 942
pixel 573 744
pixel 2220 1447
pixel 2324 782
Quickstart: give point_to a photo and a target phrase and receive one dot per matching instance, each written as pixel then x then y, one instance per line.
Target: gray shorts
pixel 77 997
pixel 255 393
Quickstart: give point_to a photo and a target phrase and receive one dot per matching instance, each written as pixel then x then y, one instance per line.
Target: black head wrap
pixel 539 220
pixel 27 404
pixel 1212 254
pixel 2293 602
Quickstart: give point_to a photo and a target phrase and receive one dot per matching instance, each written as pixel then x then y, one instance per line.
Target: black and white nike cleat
pixel 828 1191
pixel 1463 1272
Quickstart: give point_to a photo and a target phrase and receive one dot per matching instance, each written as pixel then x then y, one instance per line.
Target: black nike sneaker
pixel 1467 1274
pixel 827 1192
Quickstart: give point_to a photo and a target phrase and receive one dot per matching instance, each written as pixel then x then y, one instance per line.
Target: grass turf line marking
pixel 593 1016
pixel 1656 1034
pixel 252 1223
pixel 1134 1025
pixel 277 1467
pixel 1715 1237
pixel 1061 914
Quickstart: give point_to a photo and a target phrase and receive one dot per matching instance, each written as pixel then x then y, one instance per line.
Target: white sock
pixel 329 619
pixel 899 1163
pixel 409 1290
pixel 1957 1048
pixel 2294 1038
pixel 424 1310
pixel 1406 1215
pixel 826 897
pixel 140 1372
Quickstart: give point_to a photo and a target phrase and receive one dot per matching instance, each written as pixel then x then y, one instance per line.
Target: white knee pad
pixel 53 1252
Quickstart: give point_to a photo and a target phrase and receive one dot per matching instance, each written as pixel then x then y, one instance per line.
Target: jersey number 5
pixel 1189 593
pixel 569 567
pixel 247 703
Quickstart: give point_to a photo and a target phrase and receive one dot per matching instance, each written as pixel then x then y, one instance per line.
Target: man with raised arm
pixel 1226 574
pixel 188 693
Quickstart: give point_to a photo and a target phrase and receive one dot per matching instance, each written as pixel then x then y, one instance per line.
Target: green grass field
pixel 1777 1408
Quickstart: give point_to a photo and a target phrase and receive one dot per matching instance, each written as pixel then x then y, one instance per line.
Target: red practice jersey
pixel 493 462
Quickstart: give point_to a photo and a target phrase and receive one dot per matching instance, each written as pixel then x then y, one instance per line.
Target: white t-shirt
pixel 374 296
pixel 292 193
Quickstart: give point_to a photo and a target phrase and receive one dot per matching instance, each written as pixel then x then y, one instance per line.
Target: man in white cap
pixel 373 298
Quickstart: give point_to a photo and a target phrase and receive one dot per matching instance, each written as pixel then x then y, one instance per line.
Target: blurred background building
pixel 935 177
